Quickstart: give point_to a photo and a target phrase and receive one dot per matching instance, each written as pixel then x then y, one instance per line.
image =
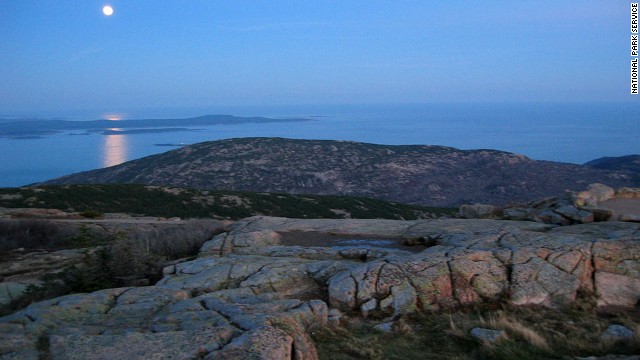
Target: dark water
pixel 560 132
pixel 343 242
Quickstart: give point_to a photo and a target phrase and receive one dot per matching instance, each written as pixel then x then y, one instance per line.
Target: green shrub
pixel 91 214
pixel 124 259
pixel 32 234
pixel 85 237
pixel 92 200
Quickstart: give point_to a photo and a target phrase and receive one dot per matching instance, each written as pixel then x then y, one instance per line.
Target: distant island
pixel 171 144
pixel 29 129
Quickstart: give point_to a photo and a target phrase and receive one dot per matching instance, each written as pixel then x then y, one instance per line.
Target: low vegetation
pixel 126 258
pixel 531 333
pixel 34 234
pixel 93 200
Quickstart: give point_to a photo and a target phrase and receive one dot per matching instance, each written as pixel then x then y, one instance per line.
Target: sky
pixel 58 56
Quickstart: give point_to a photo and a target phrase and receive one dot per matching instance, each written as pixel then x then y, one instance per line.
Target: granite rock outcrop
pixel 257 290
pixel 598 203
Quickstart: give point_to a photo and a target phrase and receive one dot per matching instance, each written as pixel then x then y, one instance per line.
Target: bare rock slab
pixel 256 291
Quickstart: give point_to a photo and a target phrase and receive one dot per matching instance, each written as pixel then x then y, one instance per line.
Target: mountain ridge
pixel 415 174
pixel 625 163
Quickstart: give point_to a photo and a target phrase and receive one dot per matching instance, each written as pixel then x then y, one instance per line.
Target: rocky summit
pixel 257 290
pixel 417 174
pixel 597 203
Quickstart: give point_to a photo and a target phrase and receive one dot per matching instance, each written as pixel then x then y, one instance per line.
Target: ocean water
pixel 575 133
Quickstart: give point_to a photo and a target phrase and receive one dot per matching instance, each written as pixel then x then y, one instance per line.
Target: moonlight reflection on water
pixel 115 149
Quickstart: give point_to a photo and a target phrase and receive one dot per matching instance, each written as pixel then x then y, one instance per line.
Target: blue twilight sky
pixel 66 55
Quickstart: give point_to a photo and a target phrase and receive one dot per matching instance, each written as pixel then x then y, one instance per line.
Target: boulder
pixel 629 218
pixel 598 203
pixel 549 216
pixel 488 336
pixel 628 193
pixel 517 213
pixel 617 333
pixel 594 194
pixel 478 211
pixel 385 327
pixel 574 214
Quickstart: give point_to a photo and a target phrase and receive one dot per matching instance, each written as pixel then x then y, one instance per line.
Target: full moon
pixel 107 10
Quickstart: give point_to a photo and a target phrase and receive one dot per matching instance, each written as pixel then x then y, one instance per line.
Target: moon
pixel 107 10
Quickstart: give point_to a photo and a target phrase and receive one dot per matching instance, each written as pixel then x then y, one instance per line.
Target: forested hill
pixel 415 174
pixel 623 163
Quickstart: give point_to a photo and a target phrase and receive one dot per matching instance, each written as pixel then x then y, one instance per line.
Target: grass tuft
pixel 532 333
pixel 519 330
